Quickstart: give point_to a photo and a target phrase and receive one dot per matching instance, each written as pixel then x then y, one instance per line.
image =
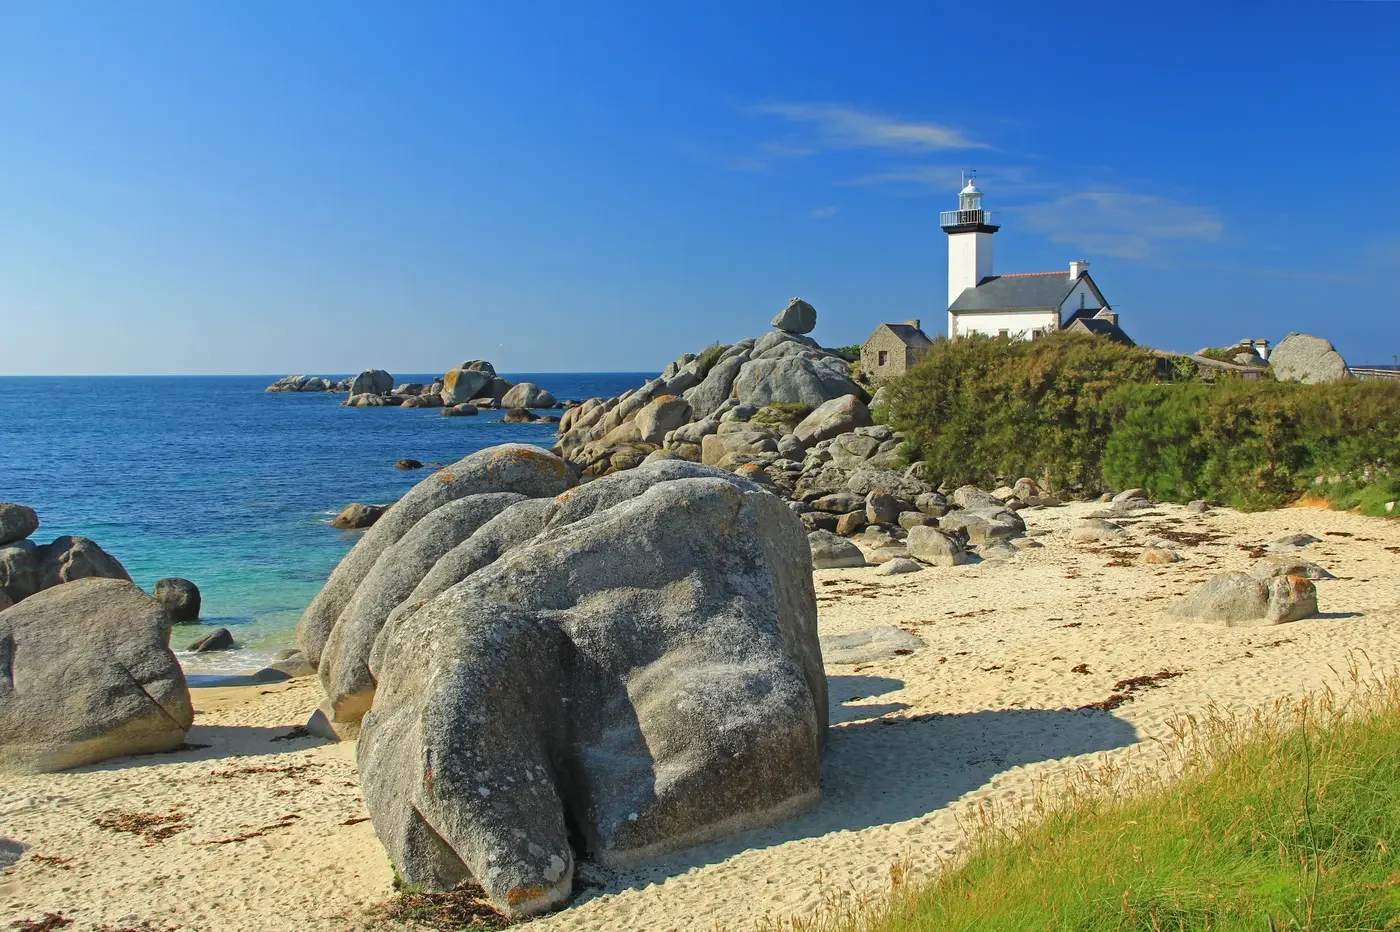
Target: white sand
pixel 984 712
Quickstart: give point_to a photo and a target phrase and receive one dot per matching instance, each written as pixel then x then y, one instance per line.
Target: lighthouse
pixel 970 230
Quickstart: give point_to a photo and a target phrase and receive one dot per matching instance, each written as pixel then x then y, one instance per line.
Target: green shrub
pixel 708 357
pixel 981 409
pixel 1251 444
pixel 1221 353
pixel 848 351
pixel 782 413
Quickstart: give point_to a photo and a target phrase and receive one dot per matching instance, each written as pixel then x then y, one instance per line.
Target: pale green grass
pixel 1285 820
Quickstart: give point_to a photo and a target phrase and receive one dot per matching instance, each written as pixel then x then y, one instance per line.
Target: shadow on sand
pixel 216 742
pixel 881 769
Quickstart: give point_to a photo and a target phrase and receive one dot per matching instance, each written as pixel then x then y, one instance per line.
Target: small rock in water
pixel 220 639
pixel 356 517
pixel 408 464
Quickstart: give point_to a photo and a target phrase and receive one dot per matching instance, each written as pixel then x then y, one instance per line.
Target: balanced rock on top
pixel 797 317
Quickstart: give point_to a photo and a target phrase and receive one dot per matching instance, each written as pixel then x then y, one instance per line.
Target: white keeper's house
pixel 1024 305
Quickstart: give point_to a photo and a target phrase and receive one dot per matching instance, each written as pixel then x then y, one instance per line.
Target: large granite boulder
pixel 831 419
pixel 68 559
pixel 86 673
pixel 180 598
pixel 1239 599
pixel 527 395
pixel 934 547
pixel 717 385
pixel 515 468
pixel 16 522
pixel 641 675
pixel 797 317
pixel 372 382
pixel 659 417
pixel 1301 357
pixel 460 386
pixel 796 379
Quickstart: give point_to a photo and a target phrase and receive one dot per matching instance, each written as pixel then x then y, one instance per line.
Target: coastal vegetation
pixel 1281 820
pixel 1084 414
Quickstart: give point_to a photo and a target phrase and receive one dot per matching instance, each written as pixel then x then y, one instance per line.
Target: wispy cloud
pixel 822 213
pixel 844 127
pixel 1114 223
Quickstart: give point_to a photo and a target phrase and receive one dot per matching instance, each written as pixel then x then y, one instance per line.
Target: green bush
pixel 1221 353
pixel 981 409
pixel 708 357
pixel 1251 444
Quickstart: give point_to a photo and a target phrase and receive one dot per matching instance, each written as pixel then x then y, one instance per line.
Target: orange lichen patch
pixel 446 475
pixel 517 895
pixel 1299 586
pixel 662 399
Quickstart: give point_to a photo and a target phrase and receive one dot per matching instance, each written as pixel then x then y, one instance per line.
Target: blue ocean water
pixel 212 479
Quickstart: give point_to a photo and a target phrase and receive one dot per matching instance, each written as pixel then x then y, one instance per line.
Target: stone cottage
pixel 892 349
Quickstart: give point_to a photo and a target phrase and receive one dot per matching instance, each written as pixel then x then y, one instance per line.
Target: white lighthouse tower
pixel 969 230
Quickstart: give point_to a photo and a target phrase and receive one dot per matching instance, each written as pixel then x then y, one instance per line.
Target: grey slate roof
pixel 1036 290
pixel 1100 327
pixel 910 336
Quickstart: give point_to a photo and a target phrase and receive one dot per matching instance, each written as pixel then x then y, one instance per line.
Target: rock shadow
pixel 217 742
pixel 896 768
pixel 844 692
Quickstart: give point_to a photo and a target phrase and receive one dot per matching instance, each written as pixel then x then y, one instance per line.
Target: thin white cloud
pixel 1114 223
pixel 844 127
pixel 822 213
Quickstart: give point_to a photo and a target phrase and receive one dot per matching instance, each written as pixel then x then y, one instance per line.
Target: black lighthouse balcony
pixel 968 221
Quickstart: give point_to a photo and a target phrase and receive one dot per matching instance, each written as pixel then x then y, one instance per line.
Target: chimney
pixel 1262 348
pixel 1106 314
pixel 912 323
pixel 1078 267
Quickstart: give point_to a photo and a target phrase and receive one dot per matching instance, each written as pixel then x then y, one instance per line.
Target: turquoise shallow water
pixel 212 479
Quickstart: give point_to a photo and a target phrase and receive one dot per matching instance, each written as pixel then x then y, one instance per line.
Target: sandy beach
pixel 256 826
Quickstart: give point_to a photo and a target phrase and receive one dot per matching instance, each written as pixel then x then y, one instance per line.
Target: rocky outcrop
pixel 638 668
pixel 86 674
pixel 1301 357
pixel 306 383
pixel 16 522
pixel 218 639
pixel 372 382
pixel 357 517
pixel 180 598
pixel 527 395
pixel 1239 599
pixel 27 568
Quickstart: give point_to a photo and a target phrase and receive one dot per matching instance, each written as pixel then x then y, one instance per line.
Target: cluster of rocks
pixel 903 522
pixel 540 672
pixel 27 568
pixel 464 391
pixel 309 383
pixel 766 385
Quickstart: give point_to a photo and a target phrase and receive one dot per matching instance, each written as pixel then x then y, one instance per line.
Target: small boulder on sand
pixel 1096 529
pixel 86 673
pixel 1283 564
pixel 1238 599
pixel 932 546
pixel 898 566
pixel 1160 555
pixel 830 552
pixel 878 643
pixel 1291 542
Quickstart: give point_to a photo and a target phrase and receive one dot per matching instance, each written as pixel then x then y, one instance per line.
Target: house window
pixel 884 358
pixel 1003 333
pixel 1037 334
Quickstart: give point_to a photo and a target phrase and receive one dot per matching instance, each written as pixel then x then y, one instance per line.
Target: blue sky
pixel 263 187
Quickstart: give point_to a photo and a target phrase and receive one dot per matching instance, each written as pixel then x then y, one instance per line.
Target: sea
pixel 212 479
